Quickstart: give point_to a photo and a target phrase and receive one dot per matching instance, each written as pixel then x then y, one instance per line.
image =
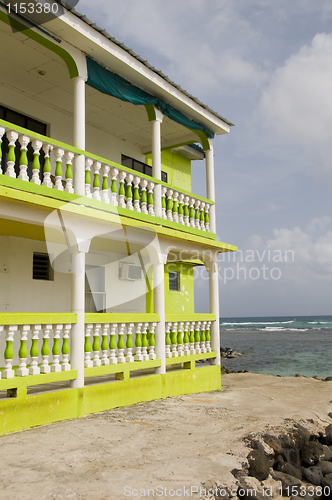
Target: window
pixel 174 281
pixel 41 267
pixel 139 166
pixel 28 123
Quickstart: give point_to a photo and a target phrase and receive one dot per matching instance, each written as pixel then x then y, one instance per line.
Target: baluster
pixel 22 370
pixel 69 172
pixel 180 339
pixel 34 351
pixel 202 216
pixel 145 342
pixel 129 196
pixel 2 133
pixel 192 213
pixel 58 168
pixel 208 337
pixel 138 343
pixel 207 219
pixel 65 366
pixel 47 166
pixel 104 345
pixel 197 337
pixel 88 165
pixel 129 344
pixel 175 209
pixel 163 202
pixel 144 200
pixel 181 211
pixel 186 211
pixel 169 210
pixel 186 349
pixel 174 339
pixel 150 198
pixel 45 350
pixel 197 214
pixel 104 193
pixel 24 141
pixel 152 343
pixel 12 138
pixel 121 358
pixel 87 346
pixel 96 345
pixel 114 191
pixel 122 191
pixel 112 358
pixel 168 353
pixel 36 144
pixel 136 199
pixel 8 371
pixel 56 367
pixel 192 338
pixel 203 337
pixel 96 182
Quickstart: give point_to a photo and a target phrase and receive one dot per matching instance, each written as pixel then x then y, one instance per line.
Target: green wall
pixel 183 301
pixel 177 167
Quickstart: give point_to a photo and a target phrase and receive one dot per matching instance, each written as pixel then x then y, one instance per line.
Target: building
pixel 99 229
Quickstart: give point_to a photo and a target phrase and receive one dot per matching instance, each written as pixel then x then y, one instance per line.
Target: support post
pixel 159 307
pixel 156 158
pixel 210 187
pixel 78 308
pixel 214 308
pixel 79 134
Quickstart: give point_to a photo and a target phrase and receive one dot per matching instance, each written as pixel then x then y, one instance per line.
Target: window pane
pixel 174 281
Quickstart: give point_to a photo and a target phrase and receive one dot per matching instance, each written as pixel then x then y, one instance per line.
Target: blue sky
pixel 266 65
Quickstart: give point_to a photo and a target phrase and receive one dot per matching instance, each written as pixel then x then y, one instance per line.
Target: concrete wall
pixel 177 167
pixel 183 301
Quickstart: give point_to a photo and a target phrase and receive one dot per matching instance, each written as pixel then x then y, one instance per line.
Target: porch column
pixel 210 188
pixel 214 308
pixel 78 308
pixel 79 134
pixel 159 308
pixel 156 158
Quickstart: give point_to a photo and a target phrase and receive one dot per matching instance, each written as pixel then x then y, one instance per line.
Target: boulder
pixel 286 441
pixel 327 453
pixel 250 488
pixel 313 475
pixel 328 432
pixel 271 486
pixel 312 453
pixel 256 444
pixel 292 456
pixel 327 486
pixel 325 467
pixel 301 436
pixel 287 482
pixel 273 442
pixel 290 470
pixel 259 464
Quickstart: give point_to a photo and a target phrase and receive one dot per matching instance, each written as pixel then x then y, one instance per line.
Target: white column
pixel 78 302
pixel 159 308
pixel 214 309
pixel 156 159
pixel 210 187
pixel 79 134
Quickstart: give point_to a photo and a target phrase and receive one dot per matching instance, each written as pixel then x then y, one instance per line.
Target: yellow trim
pixel 190 357
pixel 176 318
pixel 37 318
pixel 121 318
pixel 30 380
pixel 124 368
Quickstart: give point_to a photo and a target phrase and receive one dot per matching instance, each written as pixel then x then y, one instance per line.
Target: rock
pixel 301 436
pixel 290 470
pixel 327 486
pixel 250 488
pixel 325 467
pixel 238 473
pixel 286 441
pixel 259 465
pixel 330 414
pixel 273 442
pixel 328 433
pixel 271 486
pixel 287 481
pixel 256 444
pixel 292 456
pixel 328 379
pixel 327 454
pixel 300 497
pixel 312 453
pixel 313 475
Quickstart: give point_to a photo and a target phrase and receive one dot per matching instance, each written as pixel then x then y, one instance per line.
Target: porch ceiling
pixel 34 71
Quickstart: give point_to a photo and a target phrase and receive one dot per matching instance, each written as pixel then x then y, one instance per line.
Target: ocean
pixel 279 345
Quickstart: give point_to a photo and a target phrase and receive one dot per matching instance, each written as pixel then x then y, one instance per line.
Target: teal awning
pixel 114 85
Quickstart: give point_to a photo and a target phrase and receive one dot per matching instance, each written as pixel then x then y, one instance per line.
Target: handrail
pixel 121 318
pixel 37 318
pixel 177 318
pixel 77 151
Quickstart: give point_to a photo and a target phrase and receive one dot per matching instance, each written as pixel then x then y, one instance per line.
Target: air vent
pixel 41 268
pixel 130 272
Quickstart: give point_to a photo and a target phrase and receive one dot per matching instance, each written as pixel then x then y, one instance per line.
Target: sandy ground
pixel 173 443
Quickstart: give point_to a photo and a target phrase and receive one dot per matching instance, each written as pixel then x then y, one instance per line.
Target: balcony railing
pixel 105 181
